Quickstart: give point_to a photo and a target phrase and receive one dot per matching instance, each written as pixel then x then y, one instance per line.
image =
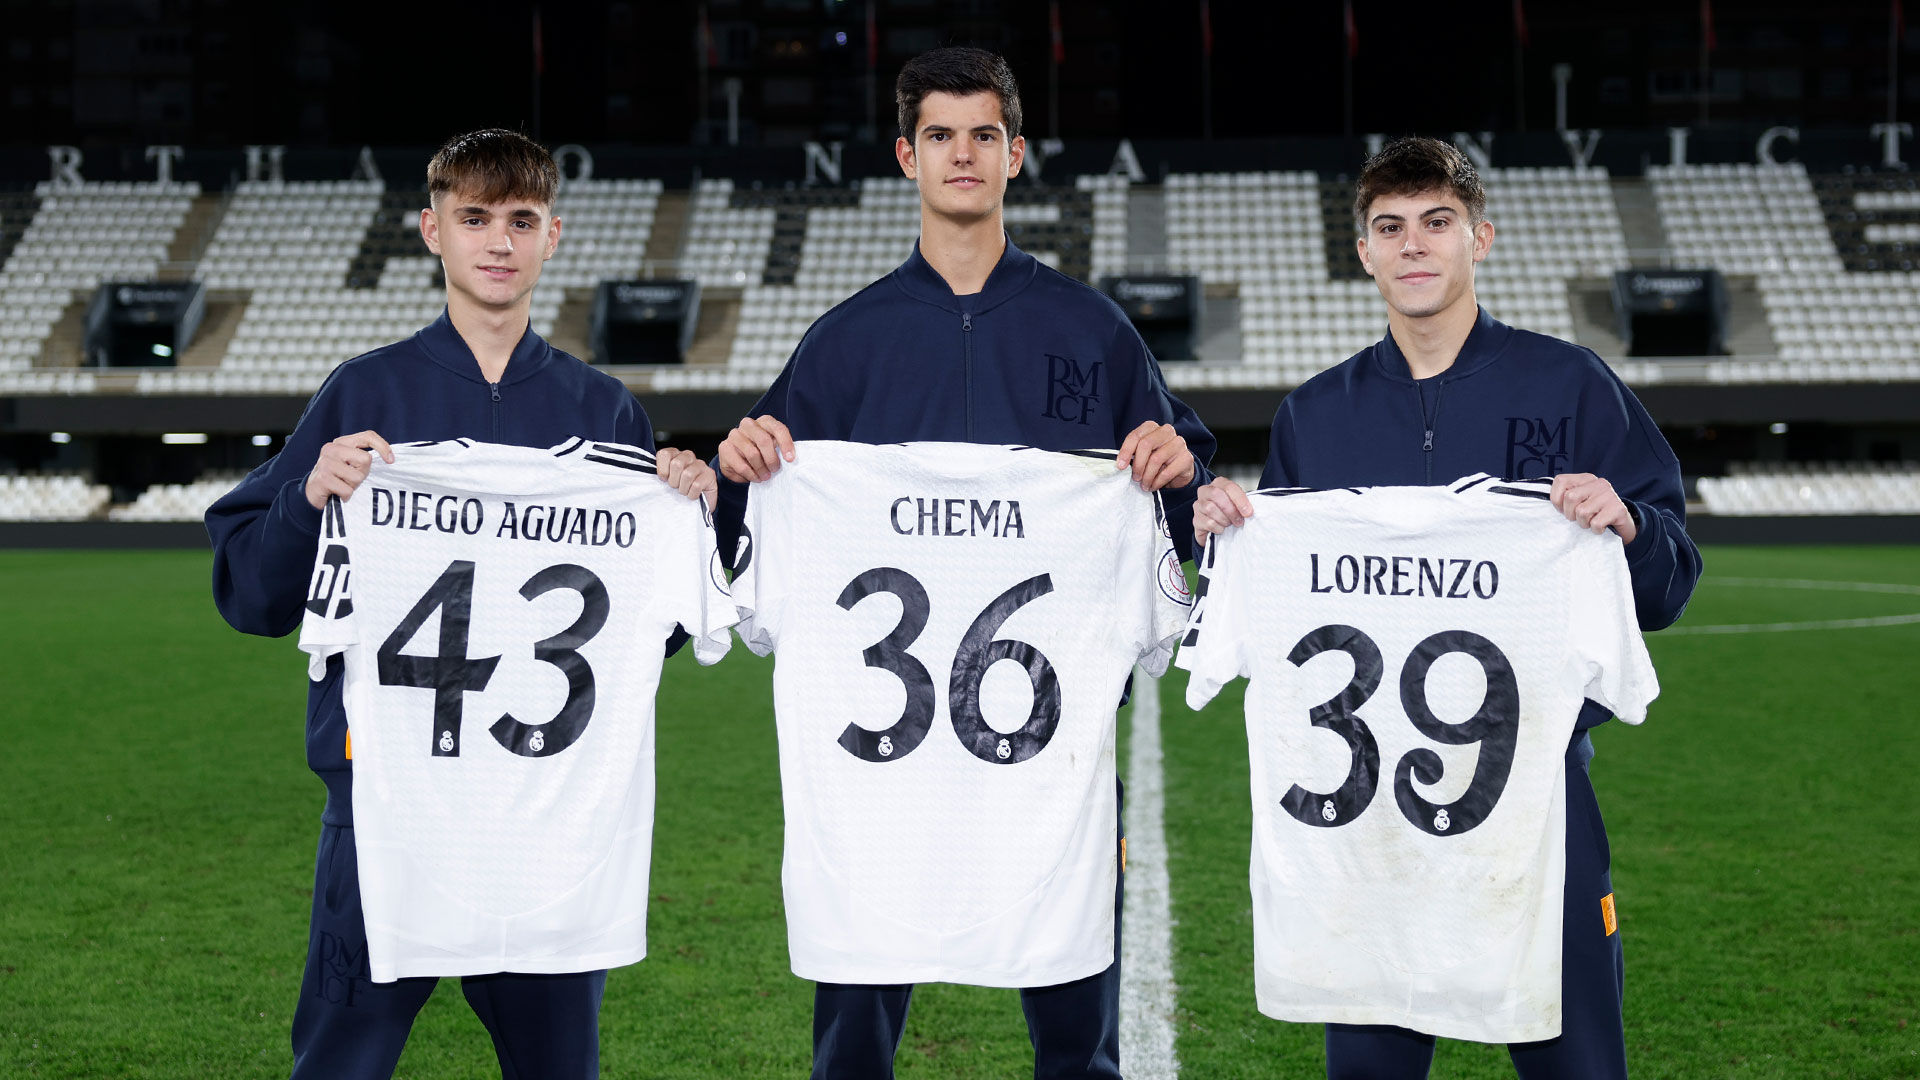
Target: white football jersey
pixel 954 626
pixel 502 612
pixel 1418 656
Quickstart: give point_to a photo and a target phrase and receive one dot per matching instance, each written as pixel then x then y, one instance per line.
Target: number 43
pixel 451 674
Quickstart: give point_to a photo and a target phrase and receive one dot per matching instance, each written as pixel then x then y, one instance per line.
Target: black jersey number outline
pixel 978 651
pixel 451 674
pixel 1495 725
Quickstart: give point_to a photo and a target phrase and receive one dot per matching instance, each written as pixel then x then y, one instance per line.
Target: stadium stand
pixel 1874 217
pixel 334 269
pixel 605 226
pixel 1822 489
pixel 177 502
pixel 1743 218
pixel 312 273
pixel 1845 326
pixel 289 235
pixel 1302 306
pixel 81 236
pixel 1107 250
pixel 73 239
pixel 60 497
pixel 825 245
pixel 727 245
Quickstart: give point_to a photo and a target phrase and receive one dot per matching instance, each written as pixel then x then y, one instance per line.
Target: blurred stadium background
pixel 205 205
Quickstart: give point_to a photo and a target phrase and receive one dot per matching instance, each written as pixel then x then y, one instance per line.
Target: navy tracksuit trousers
pixel 1592 1042
pixel 348 1027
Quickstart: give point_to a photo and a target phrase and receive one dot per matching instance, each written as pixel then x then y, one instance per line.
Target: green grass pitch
pixel 156 870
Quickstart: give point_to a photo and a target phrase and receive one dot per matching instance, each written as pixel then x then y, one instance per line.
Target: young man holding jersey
pixel 477 372
pixel 970 340
pixel 1450 392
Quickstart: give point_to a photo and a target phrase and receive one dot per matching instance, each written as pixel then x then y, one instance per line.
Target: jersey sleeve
pixel 1213 649
pixel 1606 634
pixel 1167 597
pixel 694 584
pixel 263 531
pixel 327 625
pixel 756 595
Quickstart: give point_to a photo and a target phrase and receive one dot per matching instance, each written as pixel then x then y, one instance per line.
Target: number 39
pixel 978 651
pixel 1495 726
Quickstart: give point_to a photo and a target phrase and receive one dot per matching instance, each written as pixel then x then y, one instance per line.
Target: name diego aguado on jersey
pixel 1417 660
pixel 427 511
pixel 952 626
pixel 501 612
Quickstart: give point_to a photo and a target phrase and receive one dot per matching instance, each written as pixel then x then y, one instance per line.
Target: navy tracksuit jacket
pixel 1035 358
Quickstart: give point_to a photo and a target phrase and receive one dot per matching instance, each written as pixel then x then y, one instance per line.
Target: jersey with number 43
pixel 502 612
pixel 954 626
pixel 1418 656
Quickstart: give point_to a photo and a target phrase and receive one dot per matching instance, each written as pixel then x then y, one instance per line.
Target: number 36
pixel 978 651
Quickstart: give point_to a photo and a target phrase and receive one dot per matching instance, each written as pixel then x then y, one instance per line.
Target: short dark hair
pixel 959 70
pixel 1416 163
pixel 494 165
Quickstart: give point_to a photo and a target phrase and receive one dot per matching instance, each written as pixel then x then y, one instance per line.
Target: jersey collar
pixel 918 279
pixel 1484 344
pixel 444 345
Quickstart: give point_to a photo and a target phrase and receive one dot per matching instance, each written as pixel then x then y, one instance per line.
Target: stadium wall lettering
pixel 1050 161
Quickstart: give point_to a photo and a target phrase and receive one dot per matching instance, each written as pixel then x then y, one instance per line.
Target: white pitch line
pixel 1813 583
pixel 1146 973
pixel 1809 624
pixel 1783 627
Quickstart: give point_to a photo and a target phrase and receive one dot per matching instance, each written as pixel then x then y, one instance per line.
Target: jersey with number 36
pixel 954 625
pixel 1418 656
pixel 502 612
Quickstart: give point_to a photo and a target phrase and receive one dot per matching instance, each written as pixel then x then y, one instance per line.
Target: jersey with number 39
pixel 954 625
pixel 1418 656
pixel 502 613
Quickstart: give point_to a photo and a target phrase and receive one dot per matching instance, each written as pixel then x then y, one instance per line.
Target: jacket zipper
pixel 966 371
pixel 1428 423
pixel 494 388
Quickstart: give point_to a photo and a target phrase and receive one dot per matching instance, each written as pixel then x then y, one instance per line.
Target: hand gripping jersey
pixel 1417 657
pixel 502 612
pixel 954 625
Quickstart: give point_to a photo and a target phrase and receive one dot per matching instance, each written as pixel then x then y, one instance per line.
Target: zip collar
pixel 1485 343
pixel 445 347
pixel 917 278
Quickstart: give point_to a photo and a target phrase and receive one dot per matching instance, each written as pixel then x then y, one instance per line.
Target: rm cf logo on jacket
pixel 1537 447
pixel 1073 392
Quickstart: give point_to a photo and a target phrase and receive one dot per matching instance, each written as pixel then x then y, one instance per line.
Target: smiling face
pixel 961 157
pixel 1420 250
pixel 493 252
